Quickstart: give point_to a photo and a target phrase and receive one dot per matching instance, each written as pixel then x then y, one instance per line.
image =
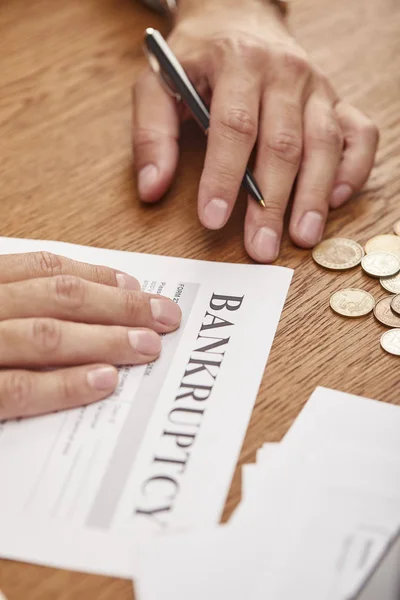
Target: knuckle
pixel 145 137
pixel 328 131
pixel 46 334
pixel 223 177
pixel 274 214
pixel 318 193
pixel 133 304
pixel 286 146
pixel 47 263
pixel 15 391
pixel 103 275
pixel 295 62
pixel 240 45
pixel 70 290
pixel 240 123
pixel 66 389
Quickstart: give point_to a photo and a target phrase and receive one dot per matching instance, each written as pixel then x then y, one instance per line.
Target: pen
pixel 174 79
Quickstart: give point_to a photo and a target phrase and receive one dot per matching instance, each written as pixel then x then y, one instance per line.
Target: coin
pixel 390 341
pixel 380 264
pixel 384 313
pixel 395 304
pixel 352 302
pixel 338 254
pixel 396 228
pixel 388 243
pixel 391 284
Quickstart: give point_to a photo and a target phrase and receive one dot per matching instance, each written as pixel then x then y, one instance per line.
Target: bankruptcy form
pixel 81 488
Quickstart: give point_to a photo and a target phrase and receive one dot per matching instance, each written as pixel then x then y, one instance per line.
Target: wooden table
pixel 65 75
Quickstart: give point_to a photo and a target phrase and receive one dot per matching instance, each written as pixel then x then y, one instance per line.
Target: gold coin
pixel 389 243
pixel 338 254
pixel 352 302
pixel 380 264
pixel 391 284
pixel 396 228
pixel 384 313
pixel 395 304
pixel 390 341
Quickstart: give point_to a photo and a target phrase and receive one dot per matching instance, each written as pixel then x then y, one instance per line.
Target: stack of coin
pixel 380 260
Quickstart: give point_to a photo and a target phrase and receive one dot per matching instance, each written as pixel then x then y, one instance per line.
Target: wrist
pixel 184 5
pixel 261 17
pixel 256 11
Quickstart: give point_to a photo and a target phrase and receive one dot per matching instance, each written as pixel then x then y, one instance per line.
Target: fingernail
pixel 266 244
pixel 145 342
pixel 215 213
pixel 103 378
pixel 126 282
pixel 165 311
pixel 311 227
pixel 341 193
pixel 146 179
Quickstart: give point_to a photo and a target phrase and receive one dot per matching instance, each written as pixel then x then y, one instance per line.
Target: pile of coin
pixel 381 259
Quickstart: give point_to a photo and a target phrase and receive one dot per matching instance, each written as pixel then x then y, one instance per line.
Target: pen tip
pixel 262 202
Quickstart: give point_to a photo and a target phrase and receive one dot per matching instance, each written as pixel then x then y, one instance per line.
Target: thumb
pixel 155 137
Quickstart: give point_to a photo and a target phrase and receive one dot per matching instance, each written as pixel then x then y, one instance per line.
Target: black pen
pixel 177 83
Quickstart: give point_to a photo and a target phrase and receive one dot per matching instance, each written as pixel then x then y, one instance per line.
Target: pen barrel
pixel 251 187
pixel 175 77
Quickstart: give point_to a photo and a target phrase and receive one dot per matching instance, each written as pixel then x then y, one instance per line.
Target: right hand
pixel 264 92
pixel 77 319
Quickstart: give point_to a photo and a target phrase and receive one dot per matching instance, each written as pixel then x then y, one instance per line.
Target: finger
pixel 361 139
pixel 49 342
pixel 278 159
pixel 155 137
pixel 231 137
pixel 31 265
pixel 323 143
pixel 71 298
pixel 25 394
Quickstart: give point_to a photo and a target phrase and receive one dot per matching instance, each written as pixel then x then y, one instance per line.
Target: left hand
pixel 264 92
pixel 76 321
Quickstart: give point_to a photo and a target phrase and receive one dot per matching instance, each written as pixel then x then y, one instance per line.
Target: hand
pixel 78 319
pixel 264 93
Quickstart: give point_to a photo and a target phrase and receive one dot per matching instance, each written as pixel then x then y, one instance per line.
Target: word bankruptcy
pixel 161 488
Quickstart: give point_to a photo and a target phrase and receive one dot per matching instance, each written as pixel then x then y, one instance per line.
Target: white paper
pixel 248 475
pixel 82 488
pixel 344 453
pixel 223 562
pixel 333 416
pixel 251 480
pixel 336 534
pixel 319 517
pixel 266 453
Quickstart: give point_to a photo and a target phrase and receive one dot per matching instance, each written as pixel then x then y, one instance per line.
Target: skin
pixel 76 321
pixel 65 324
pixel 264 94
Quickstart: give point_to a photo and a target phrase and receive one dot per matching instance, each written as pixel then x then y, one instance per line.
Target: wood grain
pixel 66 174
